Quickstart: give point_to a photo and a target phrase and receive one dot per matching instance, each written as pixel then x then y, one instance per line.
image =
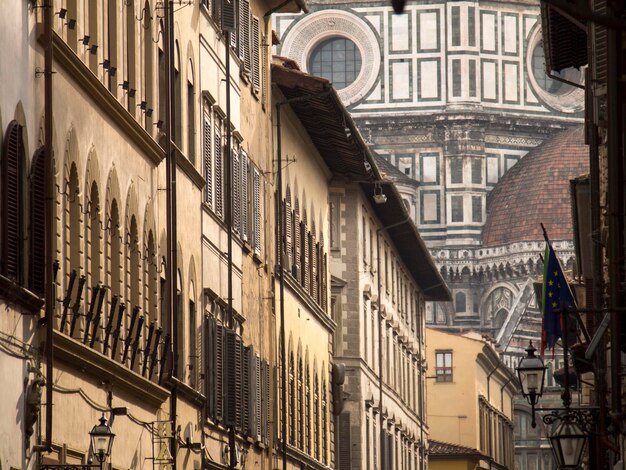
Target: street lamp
pixel 101 440
pixel 568 443
pixel 531 372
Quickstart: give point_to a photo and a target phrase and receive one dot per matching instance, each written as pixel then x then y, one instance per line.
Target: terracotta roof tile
pixel 536 190
pixel 439 448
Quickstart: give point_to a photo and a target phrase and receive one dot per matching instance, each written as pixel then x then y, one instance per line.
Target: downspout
pixel 615 221
pixel 281 260
pixel 49 218
pixel 380 341
pixel 172 261
pixel 232 444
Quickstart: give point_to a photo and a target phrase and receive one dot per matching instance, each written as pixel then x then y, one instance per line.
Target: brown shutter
pixel 344 458
pixel 256 60
pixel 247 384
pixel 217 145
pixel 11 215
pixel 233 378
pixel 37 222
pixel 218 371
pixel 244 195
pixel 208 164
pixel 236 196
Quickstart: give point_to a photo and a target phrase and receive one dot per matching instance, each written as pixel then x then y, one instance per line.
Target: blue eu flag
pixel 557 296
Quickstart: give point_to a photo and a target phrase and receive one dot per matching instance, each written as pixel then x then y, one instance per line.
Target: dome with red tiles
pixel 536 190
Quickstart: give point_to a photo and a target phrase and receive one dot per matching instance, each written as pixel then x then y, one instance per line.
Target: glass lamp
pixel 102 439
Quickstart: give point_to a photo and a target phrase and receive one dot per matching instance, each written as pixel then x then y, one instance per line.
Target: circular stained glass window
pixel 337 59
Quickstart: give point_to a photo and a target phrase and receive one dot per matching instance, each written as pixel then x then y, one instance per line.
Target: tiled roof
pixel 442 449
pixel 536 190
pixel 392 173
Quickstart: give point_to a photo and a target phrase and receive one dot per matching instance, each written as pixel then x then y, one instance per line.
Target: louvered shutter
pixel 307 260
pixel 11 215
pixel 209 352
pixel 244 33
pixel 257 431
pixel 256 62
pixel 236 220
pixel 300 393
pixel 244 195
pixel 324 284
pixel 216 10
pixel 37 222
pixel 208 164
pixel 218 371
pixel 266 401
pixel 229 19
pixel 257 211
pixel 600 45
pixel 296 242
pixel 233 377
pixel 314 279
pixel 247 383
pixel 219 207
pixel 287 228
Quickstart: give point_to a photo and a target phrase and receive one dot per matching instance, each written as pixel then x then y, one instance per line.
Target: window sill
pixel 100 367
pixel 14 293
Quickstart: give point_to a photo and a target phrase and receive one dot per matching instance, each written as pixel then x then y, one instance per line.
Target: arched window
pixel 134 280
pixel 11 222
pixel 191 116
pixel 324 405
pixel 152 275
pixel 459 302
pixel 148 51
pixel 112 42
pixel 115 250
pixel 292 400
pixel 95 239
pixel 37 222
pixel 131 56
pixel 338 59
pixel 316 404
pixel 177 115
pixel 73 221
pixel 307 404
pixel 300 400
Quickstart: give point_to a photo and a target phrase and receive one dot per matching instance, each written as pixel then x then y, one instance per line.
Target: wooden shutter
pixel 244 195
pixel 37 222
pixel 256 61
pixel 218 371
pixel 217 144
pixel 244 33
pixel 247 384
pixel 11 197
pixel 236 196
pixel 600 45
pixel 216 10
pixel 233 378
pixel 208 164
pixel 229 18
pixel 265 401
pixel 315 252
pixel 287 227
pixel 306 275
pixel 257 211
pixel 296 241
pixel 344 457
pixel 257 422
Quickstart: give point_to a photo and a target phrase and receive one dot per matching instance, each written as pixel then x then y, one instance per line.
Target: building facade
pixel 470 398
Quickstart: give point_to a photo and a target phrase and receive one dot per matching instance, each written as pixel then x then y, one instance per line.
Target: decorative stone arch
pixel 303 36
pixel 491 306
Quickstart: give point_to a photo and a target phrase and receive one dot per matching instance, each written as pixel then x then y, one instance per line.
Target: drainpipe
pixel 615 219
pixel 50 222
pixel 172 262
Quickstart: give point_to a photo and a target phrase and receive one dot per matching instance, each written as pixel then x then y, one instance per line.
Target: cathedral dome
pixel 537 190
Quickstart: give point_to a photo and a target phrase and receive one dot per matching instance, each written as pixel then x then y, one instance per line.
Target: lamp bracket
pixel 584 417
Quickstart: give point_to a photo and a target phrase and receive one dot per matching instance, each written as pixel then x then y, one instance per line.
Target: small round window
pixel 337 59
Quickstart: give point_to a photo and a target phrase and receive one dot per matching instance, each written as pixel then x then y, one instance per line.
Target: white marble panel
pixel 429 79
pixel 489 79
pixel 428 30
pixel 400 80
pixel 374 21
pixel 399 32
pixel 429 201
pixel 489 32
pixel 510 34
pixel 511 89
pixel 376 94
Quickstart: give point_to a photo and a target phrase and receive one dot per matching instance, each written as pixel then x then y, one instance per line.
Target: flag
pixel 557 296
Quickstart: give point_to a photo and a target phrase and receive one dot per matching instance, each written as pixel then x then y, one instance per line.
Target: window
pixel 477 209
pixel 539 71
pixel 456 170
pixel 256 60
pixel 477 171
pixel 217 166
pixel 456 203
pixel 256 210
pixel 338 59
pixel 11 203
pixel 443 366
pixel 472 78
pixel 37 223
pixel 471 26
pixel 455 13
pixel 456 77
pixel 459 302
pixel 207 156
pixel 191 115
pixel 193 353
